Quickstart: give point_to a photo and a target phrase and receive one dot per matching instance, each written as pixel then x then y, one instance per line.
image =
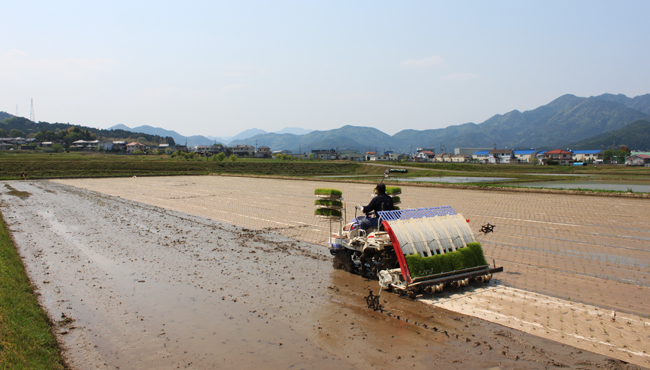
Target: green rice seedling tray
pixel 328 203
pixel 393 190
pixel 327 212
pixel 328 192
pixel 463 258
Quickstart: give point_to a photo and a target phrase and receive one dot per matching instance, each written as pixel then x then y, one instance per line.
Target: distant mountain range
pixel 206 140
pixel 567 119
pixel 555 125
pixel 635 136
pixel 640 103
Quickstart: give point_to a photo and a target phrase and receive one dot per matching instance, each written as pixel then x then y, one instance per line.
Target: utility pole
pixel 31 112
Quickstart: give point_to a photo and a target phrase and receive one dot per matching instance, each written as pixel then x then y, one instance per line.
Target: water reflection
pixel 636 187
pixel 450 179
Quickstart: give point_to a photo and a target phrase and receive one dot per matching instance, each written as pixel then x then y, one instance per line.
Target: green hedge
pixel 327 202
pixel 327 212
pixel 470 256
pixel 328 192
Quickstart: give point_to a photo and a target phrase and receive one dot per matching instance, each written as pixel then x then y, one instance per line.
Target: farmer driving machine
pixel 413 251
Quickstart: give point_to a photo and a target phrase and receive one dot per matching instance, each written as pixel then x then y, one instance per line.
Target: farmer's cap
pixel 381 188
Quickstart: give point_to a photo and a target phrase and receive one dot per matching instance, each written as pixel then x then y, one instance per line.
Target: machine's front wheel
pixel 343 261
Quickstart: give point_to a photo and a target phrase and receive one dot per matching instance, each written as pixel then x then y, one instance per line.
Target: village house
pixel 587 155
pixel 351 155
pixel 119 145
pixel 526 156
pixel 482 156
pixel 263 152
pixel 558 156
pixel 166 148
pixel 461 158
pixel 133 147
pixel 105 145
pixel 638 160
pixel 84 145
pixel 243 150
pixel 392 156
pixel 501 156
pixel 425 156
pixel 446 157
pixel 324 153
pixel 202 149
pixel 378 157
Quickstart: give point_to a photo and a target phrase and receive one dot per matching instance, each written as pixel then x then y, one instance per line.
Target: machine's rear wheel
pixel 342 261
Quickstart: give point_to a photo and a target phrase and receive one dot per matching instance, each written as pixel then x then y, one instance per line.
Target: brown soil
pixel 138 286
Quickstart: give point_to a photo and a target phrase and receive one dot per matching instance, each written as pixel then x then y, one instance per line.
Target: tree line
pixel 44 131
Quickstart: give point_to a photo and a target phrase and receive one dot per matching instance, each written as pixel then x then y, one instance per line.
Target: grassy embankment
pixel 64 165
pixel 61 165
pixel 26 339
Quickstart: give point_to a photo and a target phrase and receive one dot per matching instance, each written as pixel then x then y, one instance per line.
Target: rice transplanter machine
pixel 414 251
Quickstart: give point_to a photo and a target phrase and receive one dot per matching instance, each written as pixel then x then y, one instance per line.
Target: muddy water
pixel 133 286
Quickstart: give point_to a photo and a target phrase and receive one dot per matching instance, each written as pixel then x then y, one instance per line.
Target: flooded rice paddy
pixel 231 272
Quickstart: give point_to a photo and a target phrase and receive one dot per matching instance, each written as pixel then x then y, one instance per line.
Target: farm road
pixel 147 286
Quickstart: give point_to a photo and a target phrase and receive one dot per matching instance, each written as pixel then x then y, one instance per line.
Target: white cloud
pixel 433 61
pixel 16 62
pixel 459 77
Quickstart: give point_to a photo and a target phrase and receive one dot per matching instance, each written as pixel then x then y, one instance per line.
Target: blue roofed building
pixel 482 156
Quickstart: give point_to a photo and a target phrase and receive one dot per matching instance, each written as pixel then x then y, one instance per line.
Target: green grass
pixel 62 165
pixel 26 339
pixel 467 257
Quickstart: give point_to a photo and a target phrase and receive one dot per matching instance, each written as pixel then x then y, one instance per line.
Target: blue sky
pixel 218 68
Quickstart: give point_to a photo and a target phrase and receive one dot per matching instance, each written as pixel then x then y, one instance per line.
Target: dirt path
pixel 138 286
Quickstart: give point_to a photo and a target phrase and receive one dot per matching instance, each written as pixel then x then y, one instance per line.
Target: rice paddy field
pixel 576 268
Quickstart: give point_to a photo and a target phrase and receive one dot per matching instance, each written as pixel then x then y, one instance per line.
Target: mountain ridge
pixel 557 124
pixel 554 125
pixel 636 135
